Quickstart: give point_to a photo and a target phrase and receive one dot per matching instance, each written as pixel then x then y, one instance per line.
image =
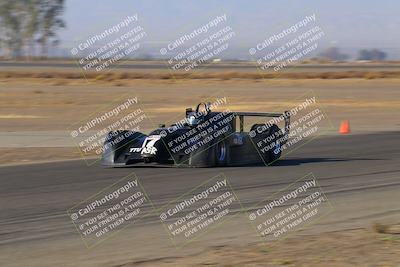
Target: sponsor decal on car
pixel 148 145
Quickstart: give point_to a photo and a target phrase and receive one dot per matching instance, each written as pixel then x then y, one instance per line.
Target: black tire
pixel 221 153
pixel 275 152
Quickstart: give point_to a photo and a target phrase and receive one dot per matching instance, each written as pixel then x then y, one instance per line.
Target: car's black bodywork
pixel 227 143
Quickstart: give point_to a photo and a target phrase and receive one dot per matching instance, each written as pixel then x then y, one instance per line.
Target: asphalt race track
pixel 360 175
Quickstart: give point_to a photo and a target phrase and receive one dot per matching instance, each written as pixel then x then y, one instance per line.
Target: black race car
pixel 202 139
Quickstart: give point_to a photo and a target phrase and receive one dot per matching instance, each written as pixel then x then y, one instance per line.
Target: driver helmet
pixel 195 118
pixel 193 121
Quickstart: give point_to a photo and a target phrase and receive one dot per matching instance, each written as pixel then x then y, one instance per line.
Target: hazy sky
pixel 346 23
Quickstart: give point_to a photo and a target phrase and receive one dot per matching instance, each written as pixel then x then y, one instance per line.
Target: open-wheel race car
pixel 204 138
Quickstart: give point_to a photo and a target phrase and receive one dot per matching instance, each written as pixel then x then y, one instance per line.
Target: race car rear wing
pixel 285 116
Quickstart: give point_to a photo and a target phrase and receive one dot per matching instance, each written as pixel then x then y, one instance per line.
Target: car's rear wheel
pixel 275 151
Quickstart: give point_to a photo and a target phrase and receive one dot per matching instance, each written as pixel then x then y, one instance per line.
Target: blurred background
pixel 356 30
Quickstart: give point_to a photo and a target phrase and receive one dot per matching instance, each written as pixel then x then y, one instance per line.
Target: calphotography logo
pixel 198 132
pixel 110 130
pixel 289 46
pixel 198 211
pixel 291 209
pixel 105 49
pixel 109 211
pixel 303 121
pixel 200 46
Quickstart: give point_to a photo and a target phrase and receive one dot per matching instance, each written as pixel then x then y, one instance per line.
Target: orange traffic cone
pixel 344 127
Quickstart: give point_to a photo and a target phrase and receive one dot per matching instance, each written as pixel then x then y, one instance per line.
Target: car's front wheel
pixel 221 153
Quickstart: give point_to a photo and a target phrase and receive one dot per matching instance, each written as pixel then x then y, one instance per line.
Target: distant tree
pixel 32 25
pixel 50 22
pixel 333 53
pixel 373 54
pixel 11 13
pixel 363 54
pixel 23 23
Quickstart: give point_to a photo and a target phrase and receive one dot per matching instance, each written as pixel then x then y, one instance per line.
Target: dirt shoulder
pixel 42 106
pixel 26 155
pixel 361 247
